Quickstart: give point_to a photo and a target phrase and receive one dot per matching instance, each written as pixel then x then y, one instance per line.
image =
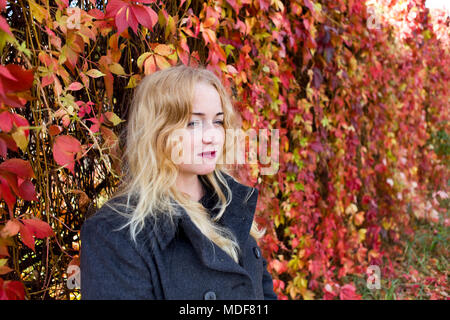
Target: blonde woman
pixel 180 226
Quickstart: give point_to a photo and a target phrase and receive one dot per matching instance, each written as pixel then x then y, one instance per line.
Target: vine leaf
pixel 64 150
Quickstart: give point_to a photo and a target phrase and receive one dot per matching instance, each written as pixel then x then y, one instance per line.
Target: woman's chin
pixel 203 169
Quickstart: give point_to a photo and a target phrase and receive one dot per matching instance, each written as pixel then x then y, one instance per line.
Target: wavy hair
pixel 162 103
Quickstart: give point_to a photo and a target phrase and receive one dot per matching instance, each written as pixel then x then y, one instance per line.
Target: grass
pixel 422 270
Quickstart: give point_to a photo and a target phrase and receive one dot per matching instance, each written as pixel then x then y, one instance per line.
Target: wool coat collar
pixel 238 217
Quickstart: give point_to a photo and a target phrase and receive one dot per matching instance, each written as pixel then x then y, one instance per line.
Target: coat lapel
pixel 238 218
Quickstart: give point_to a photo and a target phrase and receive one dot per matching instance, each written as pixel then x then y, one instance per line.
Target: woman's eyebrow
pixel 202 114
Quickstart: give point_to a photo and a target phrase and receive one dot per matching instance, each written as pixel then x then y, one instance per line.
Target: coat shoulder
pixel 112 213
pixel 113 218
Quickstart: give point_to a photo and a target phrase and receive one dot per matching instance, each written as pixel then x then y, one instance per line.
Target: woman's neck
pixel 191 185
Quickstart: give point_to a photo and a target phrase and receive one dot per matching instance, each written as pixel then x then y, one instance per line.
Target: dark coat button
pixel 210 295
pixel 257 252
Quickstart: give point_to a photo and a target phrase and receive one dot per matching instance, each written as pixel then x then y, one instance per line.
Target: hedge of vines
pixel 359 94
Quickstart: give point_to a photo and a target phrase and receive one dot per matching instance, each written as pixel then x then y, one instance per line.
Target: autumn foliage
pixel 360 96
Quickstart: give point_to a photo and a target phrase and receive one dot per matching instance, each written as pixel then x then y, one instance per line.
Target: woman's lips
pixel 209 154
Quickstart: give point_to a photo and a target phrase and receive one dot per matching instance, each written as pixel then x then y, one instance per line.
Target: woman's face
pixel 203 139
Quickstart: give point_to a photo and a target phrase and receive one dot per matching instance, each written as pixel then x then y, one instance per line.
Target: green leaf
pixel 299 186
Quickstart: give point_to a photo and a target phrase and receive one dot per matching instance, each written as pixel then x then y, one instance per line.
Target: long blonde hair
pixel 161 104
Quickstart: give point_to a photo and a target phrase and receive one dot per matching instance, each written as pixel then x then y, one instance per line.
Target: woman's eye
pixel 196 123
pixel 193 123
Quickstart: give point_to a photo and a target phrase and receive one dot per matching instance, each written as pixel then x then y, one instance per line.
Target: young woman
pixel 180 226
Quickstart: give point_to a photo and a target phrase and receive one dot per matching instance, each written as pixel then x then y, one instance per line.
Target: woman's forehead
pixel 207 101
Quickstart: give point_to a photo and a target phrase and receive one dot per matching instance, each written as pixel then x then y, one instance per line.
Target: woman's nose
pixel 210 134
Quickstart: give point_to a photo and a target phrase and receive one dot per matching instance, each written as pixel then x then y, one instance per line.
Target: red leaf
pixel 5 26
pixel 6 121
pixel 64 150
pixel 2 5
pixel 130 15
pixel 27 191
pixel 10 143
pixel 121 20
pixel 96 124
pixel 131 18
pixel 40 229
pixel 75 86
pixel 20 121
pixel 5 193
pixel 47 80
pixel 145 16
pixel 348 292
pixel 11 290
pixel 13 79
pixel 21 168
pixel 317 146
pixel 3 148
pixel 30 228
pixel 27 237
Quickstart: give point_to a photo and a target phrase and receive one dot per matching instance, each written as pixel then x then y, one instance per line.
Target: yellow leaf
pixel 20 139
pixel 362 234
pixel 112 117
pixel 307 294
pixel 142 58
pixel 171 27
pixel 386 224
pixel 351 209
pixel 117 69
pixel 37 11
pixel 94 73
pixel 132 83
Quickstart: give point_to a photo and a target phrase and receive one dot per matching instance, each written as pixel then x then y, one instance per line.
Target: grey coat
pixel 173 261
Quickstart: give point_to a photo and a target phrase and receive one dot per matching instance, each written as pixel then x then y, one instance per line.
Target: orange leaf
pixel 10 229
pixel 209 22
pixel 5 270
pixel 209 36
pixel 161 62
pixel 54 130
pixel 149 65
pixel 163 50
